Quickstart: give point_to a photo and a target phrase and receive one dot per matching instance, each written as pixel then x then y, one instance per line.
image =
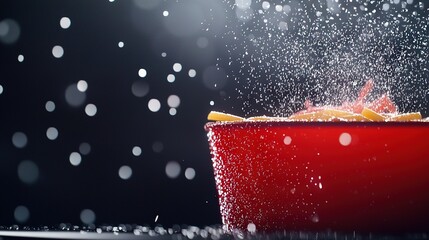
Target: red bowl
pixel 342 176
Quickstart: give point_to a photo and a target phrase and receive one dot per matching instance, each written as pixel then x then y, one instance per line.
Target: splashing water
pixel 284 52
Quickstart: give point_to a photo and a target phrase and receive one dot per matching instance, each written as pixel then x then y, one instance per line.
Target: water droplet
pixel 251 227
pixel 82 85
pixel 165 13
pixel 20 58
pixel 171 78
pixel 177 67
pixel 121 44
pixel 142 72
pixel 192 73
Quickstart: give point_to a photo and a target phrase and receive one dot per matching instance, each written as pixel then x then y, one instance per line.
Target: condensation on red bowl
pixel 342 176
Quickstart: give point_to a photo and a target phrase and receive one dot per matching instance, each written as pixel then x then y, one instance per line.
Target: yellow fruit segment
pixel 219 116
pixel 406 117
pixel 371 115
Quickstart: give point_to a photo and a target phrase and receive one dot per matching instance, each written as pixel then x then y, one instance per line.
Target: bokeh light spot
pixel 125 172
pixel 345 139
pixel 50 106
pixel 172 169
pixel 243 4
pixel 287 140
pixel 121 44
pixel 177 67
pixel 171 78
pixel 91 110
pixel 82 85
pixel 21 214
pixel 190 173
pixel 137 151
pixel 202 42
pixel 58 51
pixel 52 133
pixel 65 22
pixel 140 88
pixel 9 31
pixel 173 101
pixel 1 89
pixel 154 105
pixel 19 139
pixel 165 13
pixel 84 148
pixel 20 58
pixel 157 146
pixel 87 216
pixel 28 172
pixel 73 96
pixel 192 73
pixel 142 72
pixel 172 111
pixel 75 158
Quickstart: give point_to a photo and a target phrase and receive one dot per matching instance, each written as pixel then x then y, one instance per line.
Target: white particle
pixel 65 22
pixel 75 158
pixel 91 110
pixel 345 139
pixel 82 85
pixel 212 103
pixel 57 51
pixel 165 13
pixel 52 133
pixel 192 73
pixel 125 172
pixel 318 13
pixel 177 67
pixel 137 151
pixel 50 106
pixel 189 173
pixel 156 218
pixel 173 101
pixel 121 44
pixel 154 105
pixel 163 54
pixel 172 111
pixel 172 169
pixel 20 58
pixel 287 140
pixel 142 72
pixel 279 8
pixel 171 78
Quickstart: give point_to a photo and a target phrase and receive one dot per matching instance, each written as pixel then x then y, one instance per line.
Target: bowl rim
pixel 275 123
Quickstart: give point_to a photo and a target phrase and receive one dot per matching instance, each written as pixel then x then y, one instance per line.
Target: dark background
pixel 62 191
pixel 40 186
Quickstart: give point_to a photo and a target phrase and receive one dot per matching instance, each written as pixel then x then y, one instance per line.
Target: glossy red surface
pixel 343 176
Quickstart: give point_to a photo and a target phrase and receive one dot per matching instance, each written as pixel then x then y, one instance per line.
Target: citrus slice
pixel 406 117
